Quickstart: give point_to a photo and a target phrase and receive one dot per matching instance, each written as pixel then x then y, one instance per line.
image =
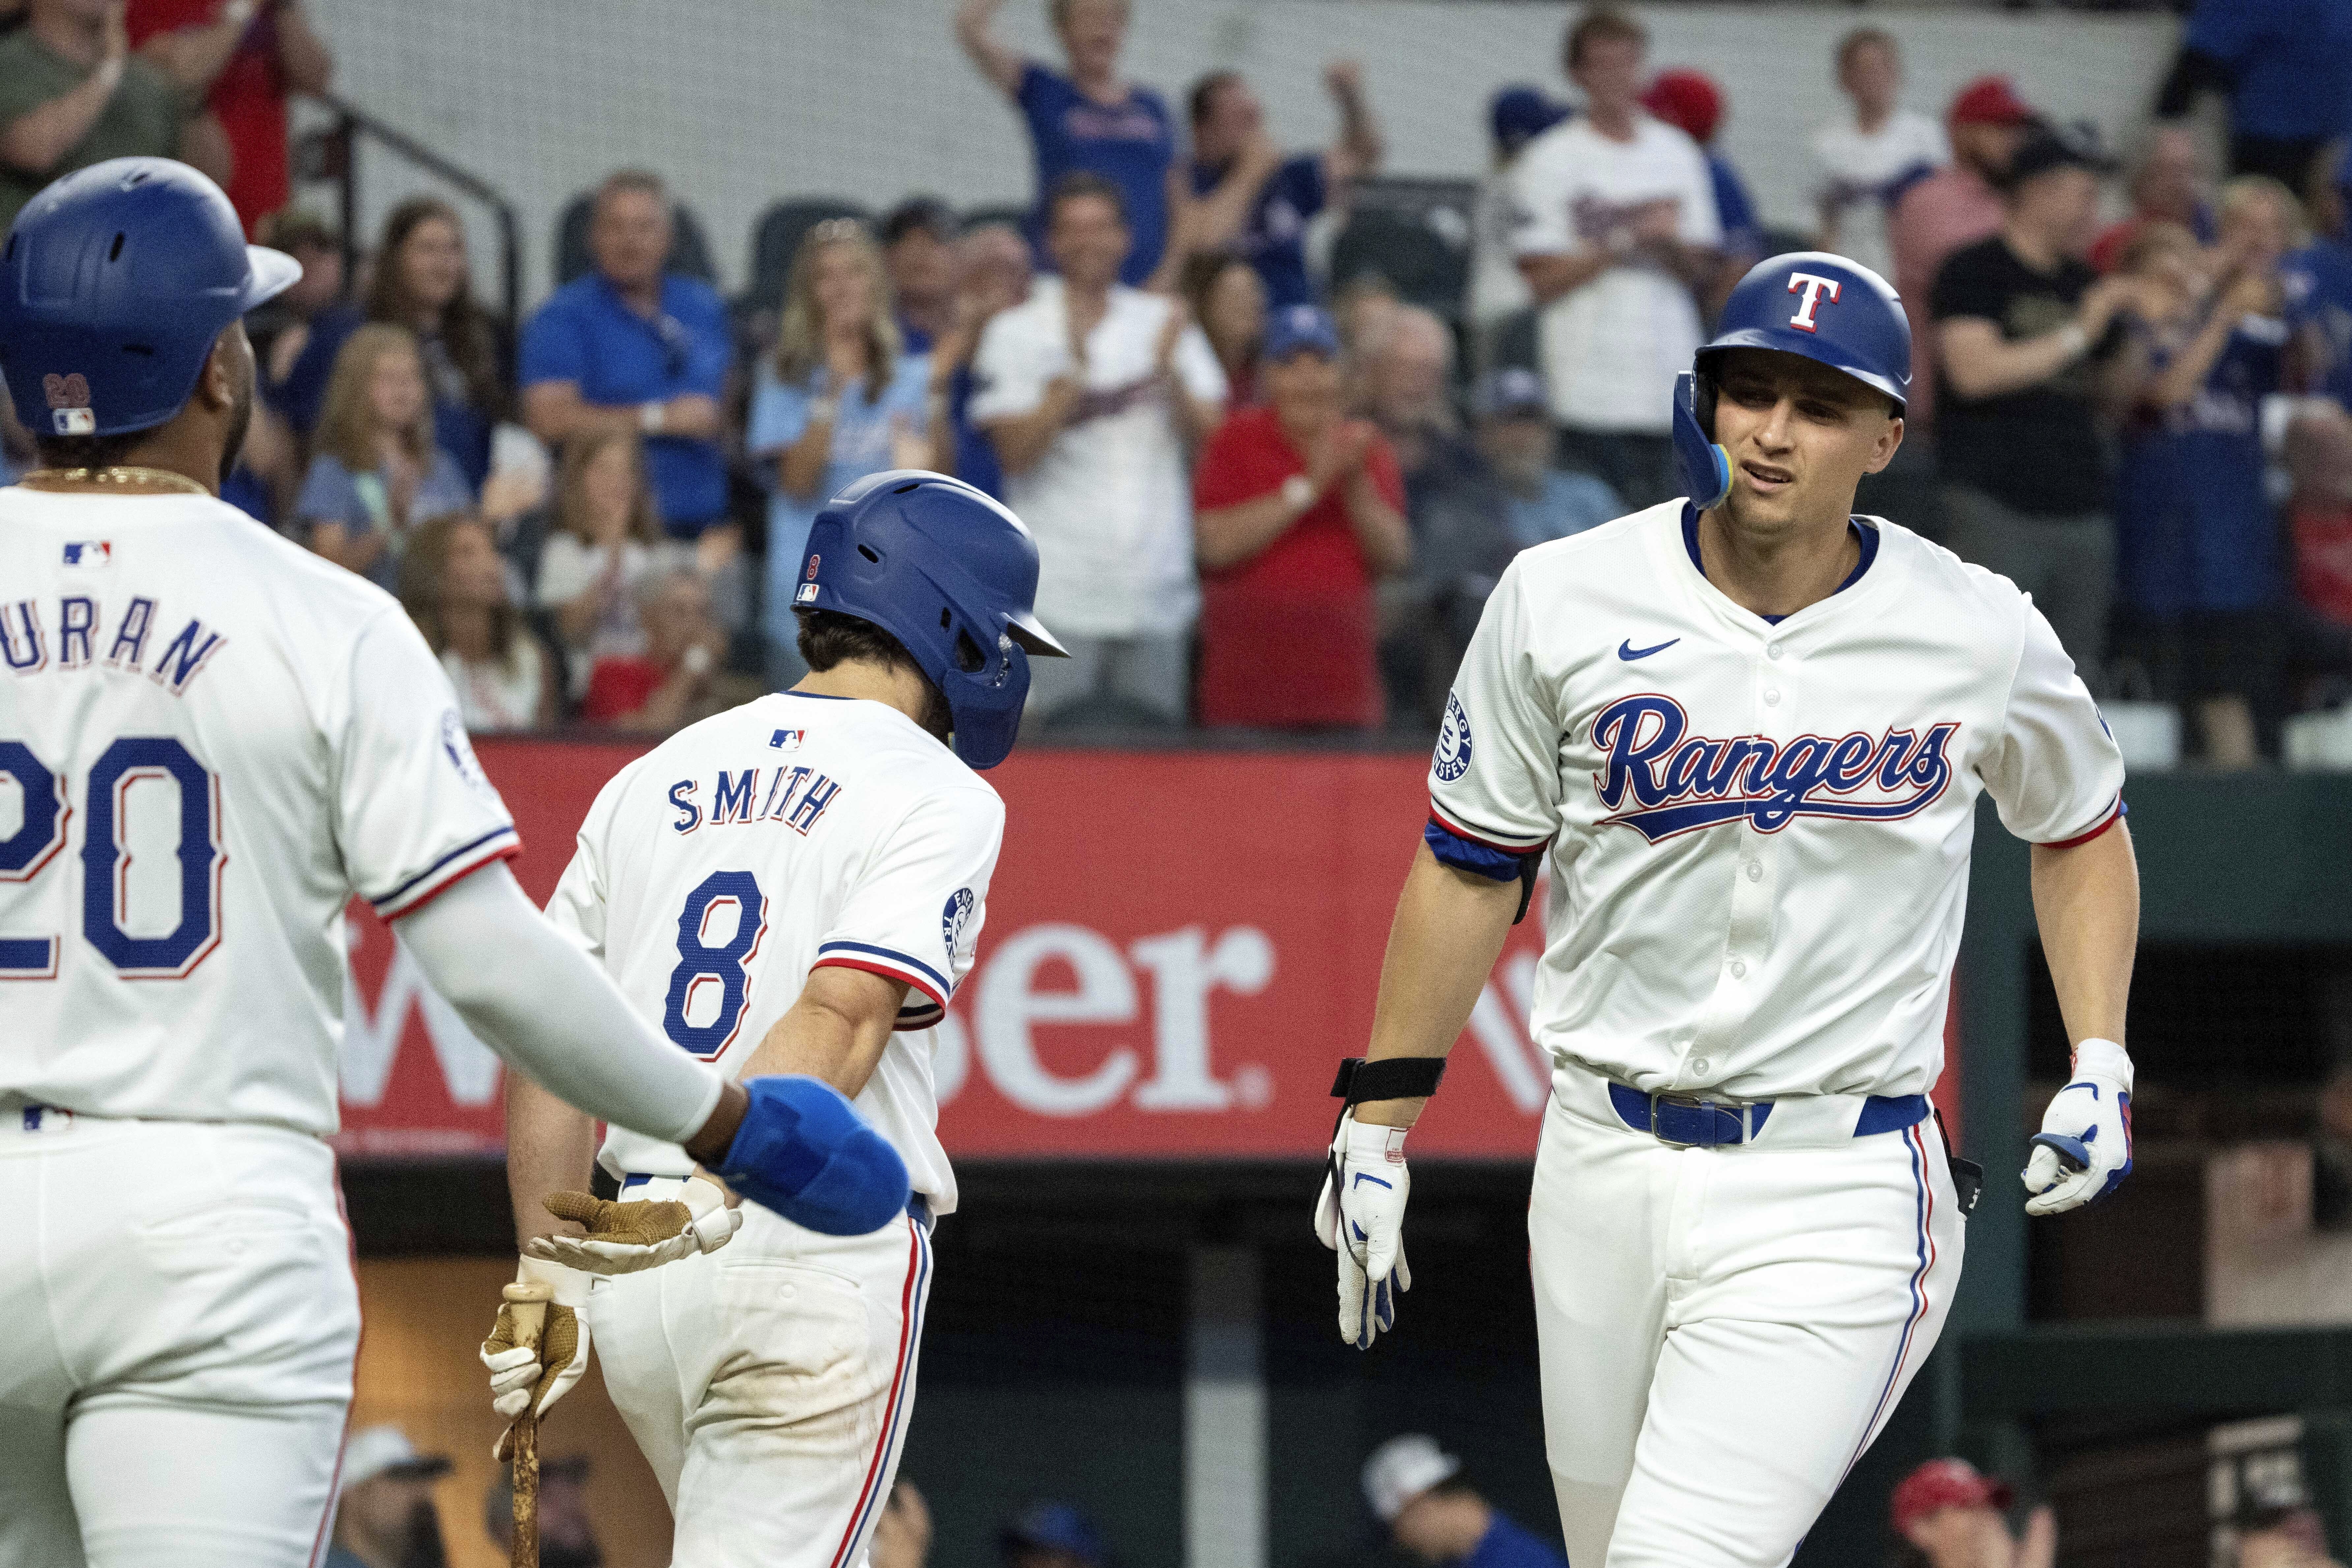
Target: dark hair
pixel 928 214
pixel 1601 24
pixel 1079 184
pixel 828 638
pixel 465 327
pixel 88 451
pixel 643 181
pixel 1861 38
pixel 1206 88
pixel 290 228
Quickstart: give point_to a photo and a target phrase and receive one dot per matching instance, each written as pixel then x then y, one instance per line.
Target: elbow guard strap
pixel 804 1152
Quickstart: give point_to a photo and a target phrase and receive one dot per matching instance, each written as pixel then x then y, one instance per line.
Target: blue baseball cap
pixel 1297 326
pixel 1520 113
pixel 1512 390
pixel 1051 1527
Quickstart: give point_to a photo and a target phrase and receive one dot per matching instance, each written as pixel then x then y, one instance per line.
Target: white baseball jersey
pixel 1759 832
pixel 716 870
pixel 209 739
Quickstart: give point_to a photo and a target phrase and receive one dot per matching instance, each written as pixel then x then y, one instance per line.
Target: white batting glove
pixel 2084 1150
pixel 624 1237
pixel 1360 1215
pixel 521 1374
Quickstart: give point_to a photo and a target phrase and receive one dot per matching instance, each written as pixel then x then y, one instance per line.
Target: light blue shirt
pixel 1568 504
pixel 861 446
pixel 362 503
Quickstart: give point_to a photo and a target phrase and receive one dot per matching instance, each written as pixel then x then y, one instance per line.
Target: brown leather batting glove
pixel 624 1238
pixel 524 1377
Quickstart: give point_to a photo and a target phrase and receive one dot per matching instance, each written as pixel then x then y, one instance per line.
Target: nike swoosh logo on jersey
pixel 1627 652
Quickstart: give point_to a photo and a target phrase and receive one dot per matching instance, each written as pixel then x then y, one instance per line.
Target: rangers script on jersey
pixel 1759 833
pixel 716 872
pixel 209 739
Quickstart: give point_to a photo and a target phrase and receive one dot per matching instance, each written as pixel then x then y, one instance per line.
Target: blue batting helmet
pixel 949 573
pixel 114 283
pixel 1808 302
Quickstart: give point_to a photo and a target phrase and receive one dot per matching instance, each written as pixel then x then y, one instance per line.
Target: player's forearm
pixel 1449 930
pixel 800 468
pixel 2179 381
pixel 545 1006
pixel 1549 276
pixel 1021 440
pixel 1228 536
pixel 1360 149
pixel 37 138
pixel 555 411
pixel 835 1031
pixel 194 57
pixel 302 56
pixel 1980 363
pixel 973 30
pixel 550 1148
pixel 1381 531
pixel 2086 901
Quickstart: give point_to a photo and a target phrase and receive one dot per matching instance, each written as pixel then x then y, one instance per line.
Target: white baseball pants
pixel 180 1321
pixel 769 1383
pixel 1724 1331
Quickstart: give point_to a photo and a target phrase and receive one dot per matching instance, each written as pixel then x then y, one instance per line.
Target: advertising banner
pixel 1179 947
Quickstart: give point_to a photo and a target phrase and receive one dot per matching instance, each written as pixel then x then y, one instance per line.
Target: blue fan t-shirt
pixel 2291 59
pixel 588 335
pixel 1273 237
pixel 1130 144
pixel 2194 529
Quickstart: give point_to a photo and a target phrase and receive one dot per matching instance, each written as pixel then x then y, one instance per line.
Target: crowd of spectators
pixel 1265 498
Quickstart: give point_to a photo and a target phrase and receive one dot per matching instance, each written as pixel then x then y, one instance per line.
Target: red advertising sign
pixel 1180 947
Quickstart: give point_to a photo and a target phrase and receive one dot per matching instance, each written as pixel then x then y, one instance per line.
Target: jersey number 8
pixel 106 857
pixel 700 965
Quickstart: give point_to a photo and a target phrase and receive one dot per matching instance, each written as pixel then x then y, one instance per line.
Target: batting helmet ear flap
pixel 1705 468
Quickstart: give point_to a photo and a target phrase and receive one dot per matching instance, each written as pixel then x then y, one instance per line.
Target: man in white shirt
pixel 1863 161
pixel 1092 393
pixel 1616 223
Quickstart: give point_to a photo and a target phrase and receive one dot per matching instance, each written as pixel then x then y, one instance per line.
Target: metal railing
pixel 332 154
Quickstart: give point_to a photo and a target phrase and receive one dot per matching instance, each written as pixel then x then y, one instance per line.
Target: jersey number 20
pixel 700 965
pixel 106 857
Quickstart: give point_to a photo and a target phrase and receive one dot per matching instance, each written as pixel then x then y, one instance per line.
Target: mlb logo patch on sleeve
pixel 90 553
pixel 787 739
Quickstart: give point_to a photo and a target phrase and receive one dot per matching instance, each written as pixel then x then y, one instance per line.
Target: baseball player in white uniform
pixel 210 740
pixel 1745 734
pixel 793 886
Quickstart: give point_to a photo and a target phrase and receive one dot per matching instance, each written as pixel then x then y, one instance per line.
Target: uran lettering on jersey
pixel 217 738
pixel 1758 832
pixel 714 874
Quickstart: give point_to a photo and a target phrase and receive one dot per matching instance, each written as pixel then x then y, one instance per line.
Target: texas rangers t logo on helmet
pixel 1813 287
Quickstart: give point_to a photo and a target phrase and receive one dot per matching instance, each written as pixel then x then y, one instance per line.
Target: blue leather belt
pixel 918 1207
pixel 1688 1121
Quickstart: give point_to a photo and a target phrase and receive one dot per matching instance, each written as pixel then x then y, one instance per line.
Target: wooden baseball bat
pixel 528 1302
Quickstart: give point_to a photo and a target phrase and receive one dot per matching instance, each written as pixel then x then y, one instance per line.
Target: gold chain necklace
pixel 117 475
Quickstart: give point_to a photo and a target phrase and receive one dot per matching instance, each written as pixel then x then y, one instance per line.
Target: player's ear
pixel 1889 442
pixel 217 383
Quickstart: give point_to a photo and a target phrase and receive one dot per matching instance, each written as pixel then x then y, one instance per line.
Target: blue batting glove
pixel 804 1152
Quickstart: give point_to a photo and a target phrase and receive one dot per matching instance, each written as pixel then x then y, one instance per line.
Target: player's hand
pixel 2084 1150
pixel 1163 353
pixel 624 1237
pixel 1657 221
pixel 1360 1215
pixel 524 1377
